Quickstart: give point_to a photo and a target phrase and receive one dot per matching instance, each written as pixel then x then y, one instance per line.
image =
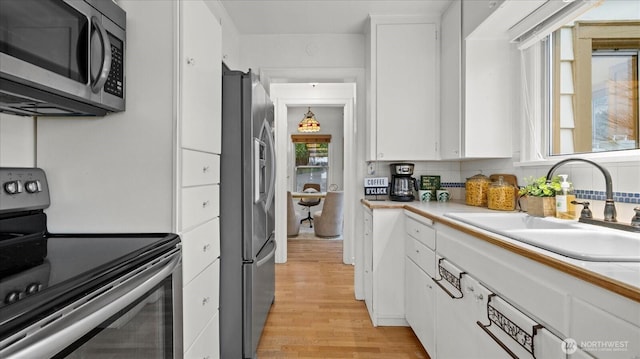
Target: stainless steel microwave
pixel 62 57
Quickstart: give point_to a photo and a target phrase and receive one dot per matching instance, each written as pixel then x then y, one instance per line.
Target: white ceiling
pixel 319 16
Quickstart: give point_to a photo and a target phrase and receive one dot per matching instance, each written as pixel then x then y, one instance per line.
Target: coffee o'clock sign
pixel 376 186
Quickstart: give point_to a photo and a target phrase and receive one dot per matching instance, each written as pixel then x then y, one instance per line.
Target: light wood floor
pixel 315 314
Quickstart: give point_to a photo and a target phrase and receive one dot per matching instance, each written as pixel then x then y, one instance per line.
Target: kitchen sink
pixel 583 244
pixel 498 222
pixel 567 238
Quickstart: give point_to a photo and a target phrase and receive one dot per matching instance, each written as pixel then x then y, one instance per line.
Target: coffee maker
pixel 402 183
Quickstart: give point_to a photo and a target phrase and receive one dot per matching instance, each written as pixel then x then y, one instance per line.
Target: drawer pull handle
pixel 205 169
pixel 205 204
pixel 191 61
pixel 446 290
pixel 449 277
pixel 497 340
pixel 519 335
pixel 205 300
pixel 206 247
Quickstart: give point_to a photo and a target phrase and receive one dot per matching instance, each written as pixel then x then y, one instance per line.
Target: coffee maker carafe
pixel 402 183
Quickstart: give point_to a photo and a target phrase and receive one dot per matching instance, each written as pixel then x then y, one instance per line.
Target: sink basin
pixel 583 244
pixel 499 222
pixel 567 238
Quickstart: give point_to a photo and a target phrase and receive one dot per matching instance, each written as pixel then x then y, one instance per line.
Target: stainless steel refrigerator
pixel 247 263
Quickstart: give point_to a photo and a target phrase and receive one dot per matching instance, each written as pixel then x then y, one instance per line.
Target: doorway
pixel 286 97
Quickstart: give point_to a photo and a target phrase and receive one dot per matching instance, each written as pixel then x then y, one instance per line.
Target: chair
pixel 309 202
pixel 329 221
pixel 293 218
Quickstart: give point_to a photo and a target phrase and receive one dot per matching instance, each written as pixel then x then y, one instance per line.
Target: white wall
pixel 115 173
pixel 17 141
pixel 294 51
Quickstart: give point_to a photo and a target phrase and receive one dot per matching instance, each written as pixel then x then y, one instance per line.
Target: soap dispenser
pixel 565 209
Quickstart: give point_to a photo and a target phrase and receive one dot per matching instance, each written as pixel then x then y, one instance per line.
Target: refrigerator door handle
pixel 268 256
pixel 272 154
pixel 258 163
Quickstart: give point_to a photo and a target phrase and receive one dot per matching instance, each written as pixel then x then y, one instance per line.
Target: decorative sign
pixel 376 186
pixel 429 182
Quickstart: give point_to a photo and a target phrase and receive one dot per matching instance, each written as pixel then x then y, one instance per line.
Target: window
pixel 312 160
pixel 594 83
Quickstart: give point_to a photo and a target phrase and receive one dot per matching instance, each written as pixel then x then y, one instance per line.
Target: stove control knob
pixel 12 297
pixel 13 187
pixel 33 186
pixel 32 288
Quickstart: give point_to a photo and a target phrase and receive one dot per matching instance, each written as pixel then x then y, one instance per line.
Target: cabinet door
pixel 199 204
pixel 420 305
pixel 199 168
pixel 200 302
pixel 406 82
pixel 368 262
pixel 450 87
pixel 200 248
pixel 201 78
pixel 207 345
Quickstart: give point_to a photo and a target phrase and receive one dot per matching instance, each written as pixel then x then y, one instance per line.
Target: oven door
pixel 137 316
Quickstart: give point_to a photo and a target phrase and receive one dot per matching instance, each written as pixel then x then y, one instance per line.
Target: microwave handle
pixel 96 86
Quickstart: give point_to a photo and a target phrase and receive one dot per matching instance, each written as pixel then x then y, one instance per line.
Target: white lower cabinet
pixel 206 345
pixel 200 247
pixel 384 266
pixel 201 302
pixel 602 334
pixel 420 301
pixel 420 305
pixel 199 204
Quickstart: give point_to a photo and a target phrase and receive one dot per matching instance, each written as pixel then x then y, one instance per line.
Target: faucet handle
pixel 586 212
pixel 635 221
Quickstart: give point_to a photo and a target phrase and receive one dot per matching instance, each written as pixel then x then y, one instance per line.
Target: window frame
pixel 315 139
pixel 533 40
pixel 587 36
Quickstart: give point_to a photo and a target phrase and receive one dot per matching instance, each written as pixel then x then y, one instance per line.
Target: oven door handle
pixel 55 333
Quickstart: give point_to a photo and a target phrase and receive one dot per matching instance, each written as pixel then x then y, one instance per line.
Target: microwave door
pixel 47 44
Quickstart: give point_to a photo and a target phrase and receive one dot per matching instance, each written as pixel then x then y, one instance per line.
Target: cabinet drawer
pixel 199 204
pixel 424 257
pixel 207 345
pixel 421 232
pixel 200 302
pixel 200 247
pixel 199 168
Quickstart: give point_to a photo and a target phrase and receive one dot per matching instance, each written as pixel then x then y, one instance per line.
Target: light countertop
pixel 620 277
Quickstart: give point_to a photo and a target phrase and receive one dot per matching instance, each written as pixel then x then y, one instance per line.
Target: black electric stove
pixel 41 272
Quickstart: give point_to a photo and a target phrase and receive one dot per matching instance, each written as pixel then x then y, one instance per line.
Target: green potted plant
pixel 540 195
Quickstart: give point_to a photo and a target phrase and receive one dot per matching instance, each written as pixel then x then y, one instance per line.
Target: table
pixel 308 194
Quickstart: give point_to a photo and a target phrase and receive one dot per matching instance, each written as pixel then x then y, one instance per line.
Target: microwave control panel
pixel 115 81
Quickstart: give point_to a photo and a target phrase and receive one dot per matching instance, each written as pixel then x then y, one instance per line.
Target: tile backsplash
pixel 587 180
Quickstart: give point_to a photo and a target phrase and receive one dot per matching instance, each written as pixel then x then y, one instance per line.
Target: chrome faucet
pixel 609 207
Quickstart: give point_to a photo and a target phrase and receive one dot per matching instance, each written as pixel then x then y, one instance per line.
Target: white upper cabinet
pixel 403 83
pixel 477 88
pixel 479 91
pixel 451 86
pixel 201 97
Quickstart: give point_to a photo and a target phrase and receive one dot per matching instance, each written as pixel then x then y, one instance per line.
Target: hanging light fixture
pixel 309 123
